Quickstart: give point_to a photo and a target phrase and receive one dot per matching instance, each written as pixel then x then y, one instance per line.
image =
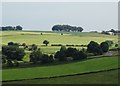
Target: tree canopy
pixel 67 28
pixel 7 28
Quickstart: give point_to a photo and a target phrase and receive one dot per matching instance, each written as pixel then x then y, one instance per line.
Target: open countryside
pixel 55 69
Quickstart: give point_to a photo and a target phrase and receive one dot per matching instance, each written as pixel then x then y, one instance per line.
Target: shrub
pixel 104 46
pixel 46 59
pixel 94 47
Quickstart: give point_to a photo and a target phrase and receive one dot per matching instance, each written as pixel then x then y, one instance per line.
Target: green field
pixel 90 65
pixel 67 38
pixel 64 69
pixel 109 77
pixel 35 37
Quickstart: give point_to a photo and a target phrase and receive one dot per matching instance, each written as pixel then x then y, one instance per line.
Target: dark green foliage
pixel 35 56
pixel 9 63
pixel 79 55
pixel 104 46
pixel 13 44
pixel 10 43
pixel 18 27
pixel 13 52
pixel 46 42
pixel 8 28
pixel 110 43
pixel 67 28
pixel 34 47
pixel 94 47
pixel 70 52
pixel 60 55
pixel 23 44
pixel 3 59
pixel 63 48
pixel 116 45
pixel 46 59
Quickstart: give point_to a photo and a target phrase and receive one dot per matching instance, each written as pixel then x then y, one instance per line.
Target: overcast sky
pixel 43 15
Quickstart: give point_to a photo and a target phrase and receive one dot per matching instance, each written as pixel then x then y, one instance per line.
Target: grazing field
pixel 35 37
pixel 97 64
pixel 109 77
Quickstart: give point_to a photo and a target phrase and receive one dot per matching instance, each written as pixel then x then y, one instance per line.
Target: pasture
pixel 75 38
pixel 35 37
pixel 107 77
pixel 97 64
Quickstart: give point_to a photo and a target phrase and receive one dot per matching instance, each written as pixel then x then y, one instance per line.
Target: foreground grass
pixel 109 77
pixel 58 70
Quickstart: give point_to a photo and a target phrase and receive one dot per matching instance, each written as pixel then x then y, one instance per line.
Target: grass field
pixel 58 70
pixel 109 77
pixel 67 38
pixel 34 37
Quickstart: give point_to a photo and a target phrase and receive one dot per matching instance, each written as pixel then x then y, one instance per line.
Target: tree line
pixel 12 53
pixel 9 28
pixel 67 28
pixel 114 32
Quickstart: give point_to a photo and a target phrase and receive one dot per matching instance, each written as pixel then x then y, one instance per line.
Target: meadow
pixel 79 38
pixel 97 64
pixel 35 37
pixel 107 77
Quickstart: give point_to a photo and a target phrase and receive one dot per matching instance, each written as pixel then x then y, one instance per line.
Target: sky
pixel 42 16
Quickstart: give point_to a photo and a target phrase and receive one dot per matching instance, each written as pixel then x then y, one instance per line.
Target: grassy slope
pixel 109 77
pixel 72 38
pixel 32 37
pixel 57 70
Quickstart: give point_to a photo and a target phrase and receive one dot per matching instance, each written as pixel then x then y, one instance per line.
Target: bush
pixel 94 47
pixel 79 55
pixel 35 56
pixel 104 46
pixel 47 59
pixel 110 43
pixel 46 42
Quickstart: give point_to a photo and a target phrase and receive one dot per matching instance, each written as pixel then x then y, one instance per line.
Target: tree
pixel 10 43
pixel 110 43
pixel 18 27
pixel 63 48
pixel 94 47
pixel 79 55
pixel 35 56
pixel 3 59
pixel 34 46
pixel 46 58
pixel 104 46
pixel 67 28
pixel 70 52
pixel 13 52
pixel 60 55
pixel 46 42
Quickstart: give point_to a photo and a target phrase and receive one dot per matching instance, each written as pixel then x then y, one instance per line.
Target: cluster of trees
pixel 69 54
pixel 67 28
pixel 37 56
pixel 7 28
pixel 111 32
pixel 12 53
pixel 98 49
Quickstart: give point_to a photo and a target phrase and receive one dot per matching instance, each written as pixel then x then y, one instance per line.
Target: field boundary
pixel 85 73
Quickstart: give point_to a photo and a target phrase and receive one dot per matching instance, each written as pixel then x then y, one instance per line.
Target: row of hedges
pixel 69 45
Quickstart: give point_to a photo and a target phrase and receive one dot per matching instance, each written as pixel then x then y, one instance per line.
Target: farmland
pixel 73 38
pixel 58 70
pixel 30 38
pixel 108 77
